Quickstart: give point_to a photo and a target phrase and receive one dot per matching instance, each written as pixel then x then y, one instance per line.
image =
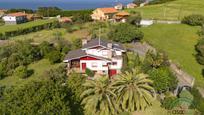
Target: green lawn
pixel 172 10
pixel 7 28
pixel 39 69
pixel 178 42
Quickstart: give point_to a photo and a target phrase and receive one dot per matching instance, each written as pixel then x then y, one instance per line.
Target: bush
pixel 163 79
pixel 69 13
pixel 82 18
pixel 23 72
pixel 198 101
pixel 125 33
pixel 35 98
pixel 194 20
pixel 135 19
pixel 77 43
pixel 167 102
pixel 159 1
pixel 200 51
pixel 89 72
pixel 186 95
pixel 54 57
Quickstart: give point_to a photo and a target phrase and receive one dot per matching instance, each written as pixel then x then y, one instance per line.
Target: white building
pixel 15 18
pixel 119 6
pixel 100 56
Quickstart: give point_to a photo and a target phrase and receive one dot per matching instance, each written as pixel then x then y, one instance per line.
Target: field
pixel 175 10
pixel 178 42
pixel 7 28
pixel 39 68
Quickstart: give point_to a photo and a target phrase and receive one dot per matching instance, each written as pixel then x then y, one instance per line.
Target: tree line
pixel 29 29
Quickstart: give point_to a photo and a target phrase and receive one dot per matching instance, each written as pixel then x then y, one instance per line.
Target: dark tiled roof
pixel 104 43
pixel 75 54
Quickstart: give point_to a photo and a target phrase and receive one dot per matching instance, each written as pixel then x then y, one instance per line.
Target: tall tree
pixel 98 98
pixel 134 91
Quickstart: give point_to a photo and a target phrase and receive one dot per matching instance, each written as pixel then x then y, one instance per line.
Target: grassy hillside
pixel 178 42
pixel 48 35
pixel 175 10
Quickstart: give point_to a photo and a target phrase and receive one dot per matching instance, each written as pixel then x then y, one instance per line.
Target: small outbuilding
pixel 131 5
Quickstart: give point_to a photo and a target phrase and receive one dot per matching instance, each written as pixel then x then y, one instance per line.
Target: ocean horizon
pixel 63 4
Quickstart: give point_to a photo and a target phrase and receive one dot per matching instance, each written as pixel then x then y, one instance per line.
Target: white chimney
pixel 84 41
pixel 110 45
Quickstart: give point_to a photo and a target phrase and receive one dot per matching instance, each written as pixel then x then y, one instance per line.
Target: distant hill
pixel 174 10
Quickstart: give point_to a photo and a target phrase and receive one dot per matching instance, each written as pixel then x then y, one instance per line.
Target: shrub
pixel 163 79
pixel 194 20
pixel 54 57
pixel 77 43
pixel 36 97
pixel 2 71
pixel 200 51
pixel 186 95
pixel 23 72
pixel 198 100
pixel 89 72
pixel 138 2
pixel 135 19
pixel 167 102
pixel 125 33
pixel 159 1
pixel 81 18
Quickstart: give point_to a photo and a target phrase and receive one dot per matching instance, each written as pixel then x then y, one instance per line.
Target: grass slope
pixel 48 35
pixel 175 10
pixel 178 42
pixel 39 68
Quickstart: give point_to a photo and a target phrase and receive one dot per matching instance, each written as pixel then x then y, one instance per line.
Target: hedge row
pixel 75 12
pixel 28 29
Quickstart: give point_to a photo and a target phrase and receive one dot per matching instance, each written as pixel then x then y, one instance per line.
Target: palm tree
pixel 98 99
pixel 134 91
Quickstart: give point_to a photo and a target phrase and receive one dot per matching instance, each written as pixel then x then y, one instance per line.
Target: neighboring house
pixel 131 5
pixel 15 18
pixel 100 56
pixel 31 17
pixel 103 14
pixel 119 6
pixel 121 16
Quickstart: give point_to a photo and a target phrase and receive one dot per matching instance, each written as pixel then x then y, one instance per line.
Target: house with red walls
pixel 100 56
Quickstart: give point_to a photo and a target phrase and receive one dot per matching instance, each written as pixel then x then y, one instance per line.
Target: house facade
pixel 15 18
pixel 103 14
pixel 100 56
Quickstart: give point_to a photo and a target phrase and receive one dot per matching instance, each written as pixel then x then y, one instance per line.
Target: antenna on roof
pixel 99 40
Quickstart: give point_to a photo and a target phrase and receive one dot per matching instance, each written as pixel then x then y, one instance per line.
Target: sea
pixel 63 4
